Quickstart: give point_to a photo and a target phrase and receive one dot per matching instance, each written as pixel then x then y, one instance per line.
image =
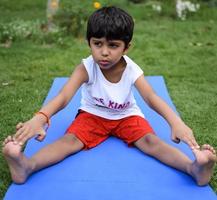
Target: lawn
pixel 184 52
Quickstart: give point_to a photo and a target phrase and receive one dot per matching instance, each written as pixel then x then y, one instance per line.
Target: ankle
pixel 189 169
pixel 31 165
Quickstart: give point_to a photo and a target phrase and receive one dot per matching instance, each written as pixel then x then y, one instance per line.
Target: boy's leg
pixel 21 167
pixel 201 169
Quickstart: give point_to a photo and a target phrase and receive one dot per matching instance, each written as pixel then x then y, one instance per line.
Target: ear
pixel 127 48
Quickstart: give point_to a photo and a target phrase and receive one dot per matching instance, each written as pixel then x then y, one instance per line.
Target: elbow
pixel 63 100
pixel 149 97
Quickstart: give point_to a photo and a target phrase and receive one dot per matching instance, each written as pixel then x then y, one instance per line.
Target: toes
pixel 213 150
pixel 7 139
pixel 208 147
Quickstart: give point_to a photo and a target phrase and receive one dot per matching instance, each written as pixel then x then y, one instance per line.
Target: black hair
pixel 112 23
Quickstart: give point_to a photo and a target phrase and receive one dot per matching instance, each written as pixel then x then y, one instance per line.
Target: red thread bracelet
pixel 45 115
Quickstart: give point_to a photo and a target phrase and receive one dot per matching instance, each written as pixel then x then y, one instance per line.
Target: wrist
pixel 176 122
pixel 42 117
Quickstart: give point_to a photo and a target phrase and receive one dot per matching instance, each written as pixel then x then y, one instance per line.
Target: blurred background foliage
pixel 70 18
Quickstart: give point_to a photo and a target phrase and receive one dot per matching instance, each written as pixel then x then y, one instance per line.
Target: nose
pixel 105 51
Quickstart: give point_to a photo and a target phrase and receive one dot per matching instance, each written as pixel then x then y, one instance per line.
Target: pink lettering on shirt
pixel 111 104
pixel 118 106
pixel 101 100
pixel 124 105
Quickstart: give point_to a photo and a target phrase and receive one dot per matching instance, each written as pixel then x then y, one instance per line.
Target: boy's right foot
pixel 203 166
pixel 19 166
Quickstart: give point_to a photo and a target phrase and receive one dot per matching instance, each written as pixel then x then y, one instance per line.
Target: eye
pixel 113 45
pixel 97 44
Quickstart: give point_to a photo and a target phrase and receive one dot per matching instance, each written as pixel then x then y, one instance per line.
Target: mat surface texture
pixel 112 170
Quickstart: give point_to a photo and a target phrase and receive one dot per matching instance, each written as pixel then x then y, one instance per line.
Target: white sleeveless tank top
pixel 110 100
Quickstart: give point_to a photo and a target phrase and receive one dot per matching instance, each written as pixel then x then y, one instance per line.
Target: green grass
pixel 26 10
pixel 184 52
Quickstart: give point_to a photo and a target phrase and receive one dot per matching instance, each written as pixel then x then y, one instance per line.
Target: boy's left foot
pixel 202 167
pixel 18 164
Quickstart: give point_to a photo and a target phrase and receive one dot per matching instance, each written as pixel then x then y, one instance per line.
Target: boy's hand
pixel 185 134
pixel 29 129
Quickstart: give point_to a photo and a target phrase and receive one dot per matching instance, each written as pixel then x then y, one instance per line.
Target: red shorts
pixel 92 129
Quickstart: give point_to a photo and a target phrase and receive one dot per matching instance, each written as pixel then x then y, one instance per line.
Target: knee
pixel 149 140
pixel 71 139
pixel 148 143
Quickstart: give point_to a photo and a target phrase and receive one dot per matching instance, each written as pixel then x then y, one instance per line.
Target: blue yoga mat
pixel 112 170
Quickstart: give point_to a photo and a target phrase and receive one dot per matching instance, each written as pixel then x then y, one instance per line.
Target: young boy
pixel 107 107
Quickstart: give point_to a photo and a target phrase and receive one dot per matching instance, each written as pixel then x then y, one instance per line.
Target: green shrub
pixel 72 16
pixel 19 29
pixel 29 30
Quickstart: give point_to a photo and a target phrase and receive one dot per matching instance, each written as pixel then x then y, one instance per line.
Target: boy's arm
pixel 180 131
pixel 78 77
pixel 35 125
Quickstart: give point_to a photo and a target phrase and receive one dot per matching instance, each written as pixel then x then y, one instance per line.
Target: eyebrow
pixel 100 40
pixel 96 39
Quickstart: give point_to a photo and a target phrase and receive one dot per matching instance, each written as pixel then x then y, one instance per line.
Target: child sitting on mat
pixel 107 108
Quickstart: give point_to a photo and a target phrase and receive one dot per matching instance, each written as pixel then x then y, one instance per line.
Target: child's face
pixel 107 53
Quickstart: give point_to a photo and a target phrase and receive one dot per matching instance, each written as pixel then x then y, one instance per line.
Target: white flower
pixel 156 7
pixel 182 7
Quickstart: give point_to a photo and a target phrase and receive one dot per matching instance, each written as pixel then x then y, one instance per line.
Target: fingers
pixel 190 140
pixel 22 135
pixel 27 130
pixel 175 139
pixel 19 125
pixel 41 136
pixel 186 137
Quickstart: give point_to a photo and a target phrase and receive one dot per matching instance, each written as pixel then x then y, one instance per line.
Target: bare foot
pixel 202 168
pixel 18 164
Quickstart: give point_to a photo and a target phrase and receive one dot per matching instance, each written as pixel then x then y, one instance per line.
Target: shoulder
pixel 80 72
pixel 130 61
pixel 90 67
pixel 134 70
pixel 88 62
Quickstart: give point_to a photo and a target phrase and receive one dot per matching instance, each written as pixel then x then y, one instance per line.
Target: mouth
pixel 104 62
